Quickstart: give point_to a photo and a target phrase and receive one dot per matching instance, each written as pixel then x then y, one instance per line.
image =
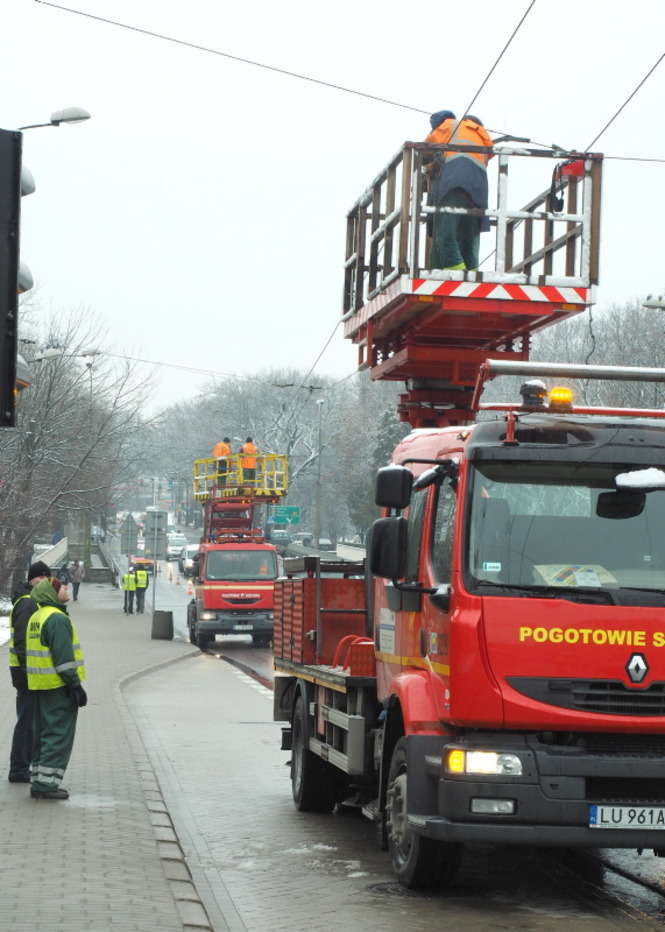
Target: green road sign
pixel 288 513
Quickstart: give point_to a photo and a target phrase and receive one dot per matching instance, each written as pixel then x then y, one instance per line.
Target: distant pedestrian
pixel 55 673
pixel 24 606
pixel 142 582
pixel 77 575
pixel 129 588
pixel 249 452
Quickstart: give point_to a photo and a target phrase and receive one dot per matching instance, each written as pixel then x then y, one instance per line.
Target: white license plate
pixel 243 627
pixel 627 817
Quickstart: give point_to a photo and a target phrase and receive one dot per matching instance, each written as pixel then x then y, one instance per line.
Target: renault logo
pixel 637 667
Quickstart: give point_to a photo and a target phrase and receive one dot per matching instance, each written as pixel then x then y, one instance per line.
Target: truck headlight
pixel 271 616
pixel 208 616
pixel 482 762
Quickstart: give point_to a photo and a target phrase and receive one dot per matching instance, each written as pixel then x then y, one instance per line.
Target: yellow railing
pixel 227 478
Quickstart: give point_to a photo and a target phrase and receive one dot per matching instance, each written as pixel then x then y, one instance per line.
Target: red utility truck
pixel 235 569
pixel 498 675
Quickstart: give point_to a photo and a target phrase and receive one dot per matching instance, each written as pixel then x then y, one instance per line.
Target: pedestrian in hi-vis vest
pixel 129 588
pixel 24 606
pixel 141 577
pixel 55 668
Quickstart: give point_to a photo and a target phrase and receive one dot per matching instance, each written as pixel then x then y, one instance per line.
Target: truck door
pixel 437 571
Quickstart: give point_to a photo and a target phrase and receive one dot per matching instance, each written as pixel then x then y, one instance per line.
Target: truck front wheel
pixel 418 862
pixel 312 779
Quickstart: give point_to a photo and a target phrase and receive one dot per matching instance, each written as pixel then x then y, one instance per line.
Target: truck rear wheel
pixel 312 779
pixel 418 862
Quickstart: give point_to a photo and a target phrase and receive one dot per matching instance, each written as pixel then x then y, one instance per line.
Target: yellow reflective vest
pixel 42 674
pixel 129 582
pixel 13 658
pixel 141 579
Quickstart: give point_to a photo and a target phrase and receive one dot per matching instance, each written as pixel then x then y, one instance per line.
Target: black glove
pixel 79 695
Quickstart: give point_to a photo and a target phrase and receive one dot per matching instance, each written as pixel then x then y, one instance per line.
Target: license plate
pixel 243 627
pixel 627 817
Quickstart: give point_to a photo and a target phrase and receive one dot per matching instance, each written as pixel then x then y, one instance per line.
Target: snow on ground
pixel 5 608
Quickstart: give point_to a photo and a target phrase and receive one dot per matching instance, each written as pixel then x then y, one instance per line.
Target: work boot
pixel 19 778
pixel 50 794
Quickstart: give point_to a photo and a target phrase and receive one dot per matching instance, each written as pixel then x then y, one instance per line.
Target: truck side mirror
pixel 393 487
pixel 387 556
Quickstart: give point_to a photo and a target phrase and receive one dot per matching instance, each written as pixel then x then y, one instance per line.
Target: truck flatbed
pixel 324 675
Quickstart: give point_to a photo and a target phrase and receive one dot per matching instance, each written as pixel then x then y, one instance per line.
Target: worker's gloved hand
pixel 79 695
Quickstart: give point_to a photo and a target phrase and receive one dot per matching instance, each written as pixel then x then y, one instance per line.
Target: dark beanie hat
pixel 437 118
pixel 38 569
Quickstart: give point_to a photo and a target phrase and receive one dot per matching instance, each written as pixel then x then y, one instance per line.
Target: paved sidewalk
pixel 92 862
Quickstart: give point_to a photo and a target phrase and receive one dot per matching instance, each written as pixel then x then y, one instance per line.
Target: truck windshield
pixel 562 529
pixel 241 564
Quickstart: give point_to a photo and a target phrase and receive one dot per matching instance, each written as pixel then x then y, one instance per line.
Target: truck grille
pixel 623 789
pixel 610 697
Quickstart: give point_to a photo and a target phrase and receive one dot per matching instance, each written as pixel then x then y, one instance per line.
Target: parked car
pixel 186 559
pixel 281 540
pixel 174 544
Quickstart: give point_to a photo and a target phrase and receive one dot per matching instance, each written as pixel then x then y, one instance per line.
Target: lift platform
pixel 229 493
pixel 433 328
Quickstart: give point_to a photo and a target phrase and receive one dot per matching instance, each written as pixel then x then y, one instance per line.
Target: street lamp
pixel 317 511
pixel 68 115
pixel 655 302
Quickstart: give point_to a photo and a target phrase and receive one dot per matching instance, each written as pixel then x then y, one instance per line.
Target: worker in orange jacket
pixel 459 179
pixel 221 451
pixel 249 452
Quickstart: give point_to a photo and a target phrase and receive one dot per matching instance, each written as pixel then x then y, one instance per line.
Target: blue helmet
pixel 437 118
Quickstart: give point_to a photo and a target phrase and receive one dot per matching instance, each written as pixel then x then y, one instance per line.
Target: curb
pixel 185 884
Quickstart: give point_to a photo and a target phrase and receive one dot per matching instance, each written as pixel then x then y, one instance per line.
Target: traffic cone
pixel 190 588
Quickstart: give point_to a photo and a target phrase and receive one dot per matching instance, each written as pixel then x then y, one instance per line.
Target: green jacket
pixel 57 633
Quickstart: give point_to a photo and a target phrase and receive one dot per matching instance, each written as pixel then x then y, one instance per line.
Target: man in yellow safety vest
pixel 55 669
pixel 129 588
pixel 141 577
pixel 23 608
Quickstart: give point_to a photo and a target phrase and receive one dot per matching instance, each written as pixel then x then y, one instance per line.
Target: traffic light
pixel 10 209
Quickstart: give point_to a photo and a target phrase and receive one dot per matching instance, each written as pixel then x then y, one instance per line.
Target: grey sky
pixel 201 212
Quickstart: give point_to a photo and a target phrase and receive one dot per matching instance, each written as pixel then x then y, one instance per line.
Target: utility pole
pixel 317 510
pixel 154 549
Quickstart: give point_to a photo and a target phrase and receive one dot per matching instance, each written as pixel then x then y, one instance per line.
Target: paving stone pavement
pixel 92 862
pixel 208 730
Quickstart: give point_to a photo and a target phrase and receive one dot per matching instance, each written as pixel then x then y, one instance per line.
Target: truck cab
pixel 519 624
pixel 233 589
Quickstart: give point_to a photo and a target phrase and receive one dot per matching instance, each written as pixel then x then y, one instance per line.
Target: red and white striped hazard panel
pixel 501 292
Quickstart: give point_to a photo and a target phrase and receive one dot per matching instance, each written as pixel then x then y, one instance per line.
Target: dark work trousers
pixel 21 754
pixel 456 237
pixel 129 601
pixel 55 727
pixel 75 587
pixel 140 600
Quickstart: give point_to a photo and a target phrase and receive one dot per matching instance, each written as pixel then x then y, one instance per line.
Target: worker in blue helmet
pixel 459 179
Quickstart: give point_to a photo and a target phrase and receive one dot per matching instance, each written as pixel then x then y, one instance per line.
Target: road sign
pixel 155 534
pixel 288 513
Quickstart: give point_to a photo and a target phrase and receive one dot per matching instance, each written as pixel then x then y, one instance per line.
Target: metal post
pixel 317 510
pixel 154 550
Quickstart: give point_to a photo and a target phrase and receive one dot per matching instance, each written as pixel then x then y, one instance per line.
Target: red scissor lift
pixel 432 328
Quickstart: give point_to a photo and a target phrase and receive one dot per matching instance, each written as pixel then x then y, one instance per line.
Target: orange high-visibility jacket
pixel 221 450
pixel 468 133
pixel 249 459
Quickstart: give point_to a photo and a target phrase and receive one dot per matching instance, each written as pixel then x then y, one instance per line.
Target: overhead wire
pixel 626 102
pixel 496 62
pixel 246 61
